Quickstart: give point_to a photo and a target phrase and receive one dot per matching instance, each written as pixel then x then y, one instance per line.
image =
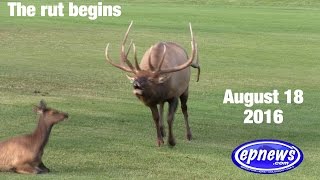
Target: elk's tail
pixel 196 64
pixel 198 67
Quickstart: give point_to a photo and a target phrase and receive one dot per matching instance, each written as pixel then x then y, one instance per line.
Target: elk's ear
pixel 42 104
pixel 162 79
pixel 159 79
pixel 130 78
pixel 38 110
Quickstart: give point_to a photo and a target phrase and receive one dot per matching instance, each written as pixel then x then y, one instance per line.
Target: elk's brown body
pixel 163 75
pixel 177 82
pixel 23 154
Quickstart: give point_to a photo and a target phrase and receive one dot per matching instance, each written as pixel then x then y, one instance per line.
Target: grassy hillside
pixel 249 45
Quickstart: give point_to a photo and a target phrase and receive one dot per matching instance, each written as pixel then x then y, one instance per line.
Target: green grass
pixel 245 45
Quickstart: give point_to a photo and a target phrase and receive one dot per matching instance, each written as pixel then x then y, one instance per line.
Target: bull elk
pixel 163 75
pixel 23 154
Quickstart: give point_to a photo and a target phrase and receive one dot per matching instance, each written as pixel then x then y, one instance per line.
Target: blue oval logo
pixel 267 156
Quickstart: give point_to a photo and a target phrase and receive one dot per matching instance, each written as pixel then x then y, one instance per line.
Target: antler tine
pixel 135 58
pixel 124 56
pixel 149 59
pixel 116 65
pixel 129 48
pixel 163 55
pixel 193 46
pixel 125 38
pixel 189 61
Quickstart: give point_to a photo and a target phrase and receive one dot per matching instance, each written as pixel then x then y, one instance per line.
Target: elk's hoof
pixel 172 142
pixel 41 170
pixel 160 142
pixel 45 170
pixel 189 136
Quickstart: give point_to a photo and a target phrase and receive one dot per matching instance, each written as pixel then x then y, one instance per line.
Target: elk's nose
pixel 66 115
pixel 136 85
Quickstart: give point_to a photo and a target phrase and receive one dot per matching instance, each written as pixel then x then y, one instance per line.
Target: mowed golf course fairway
pixel 246 46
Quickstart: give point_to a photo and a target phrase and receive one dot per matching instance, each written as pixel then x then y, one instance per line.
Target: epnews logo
pixel 267 156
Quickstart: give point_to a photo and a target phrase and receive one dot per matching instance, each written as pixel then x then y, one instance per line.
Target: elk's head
pixel 144 80
pixel 50 116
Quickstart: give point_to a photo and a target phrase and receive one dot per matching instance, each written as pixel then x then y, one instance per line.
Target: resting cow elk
pixel 163 75
pixel 23 154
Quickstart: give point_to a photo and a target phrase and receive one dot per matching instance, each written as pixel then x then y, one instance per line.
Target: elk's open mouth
pixel 137 91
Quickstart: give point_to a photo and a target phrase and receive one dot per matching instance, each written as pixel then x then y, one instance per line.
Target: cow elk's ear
pixel 38 110
pixel 42 104
pixel 41 107
pixel 130 78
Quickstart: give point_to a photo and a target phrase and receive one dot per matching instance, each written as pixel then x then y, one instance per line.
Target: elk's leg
pixel 184 108
pixel 26 169
pixel 43 168
pixel 163 131
pixel 173 103
pixel 156 118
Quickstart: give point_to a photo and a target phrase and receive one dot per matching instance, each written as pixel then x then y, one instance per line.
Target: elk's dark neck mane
pixel 40 135
pixel 154 96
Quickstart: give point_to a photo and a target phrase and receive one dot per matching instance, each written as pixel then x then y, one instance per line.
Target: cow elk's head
pixel 50 116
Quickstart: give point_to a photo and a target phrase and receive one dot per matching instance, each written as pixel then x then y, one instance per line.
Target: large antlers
pixel 124 56
pixel 132 69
